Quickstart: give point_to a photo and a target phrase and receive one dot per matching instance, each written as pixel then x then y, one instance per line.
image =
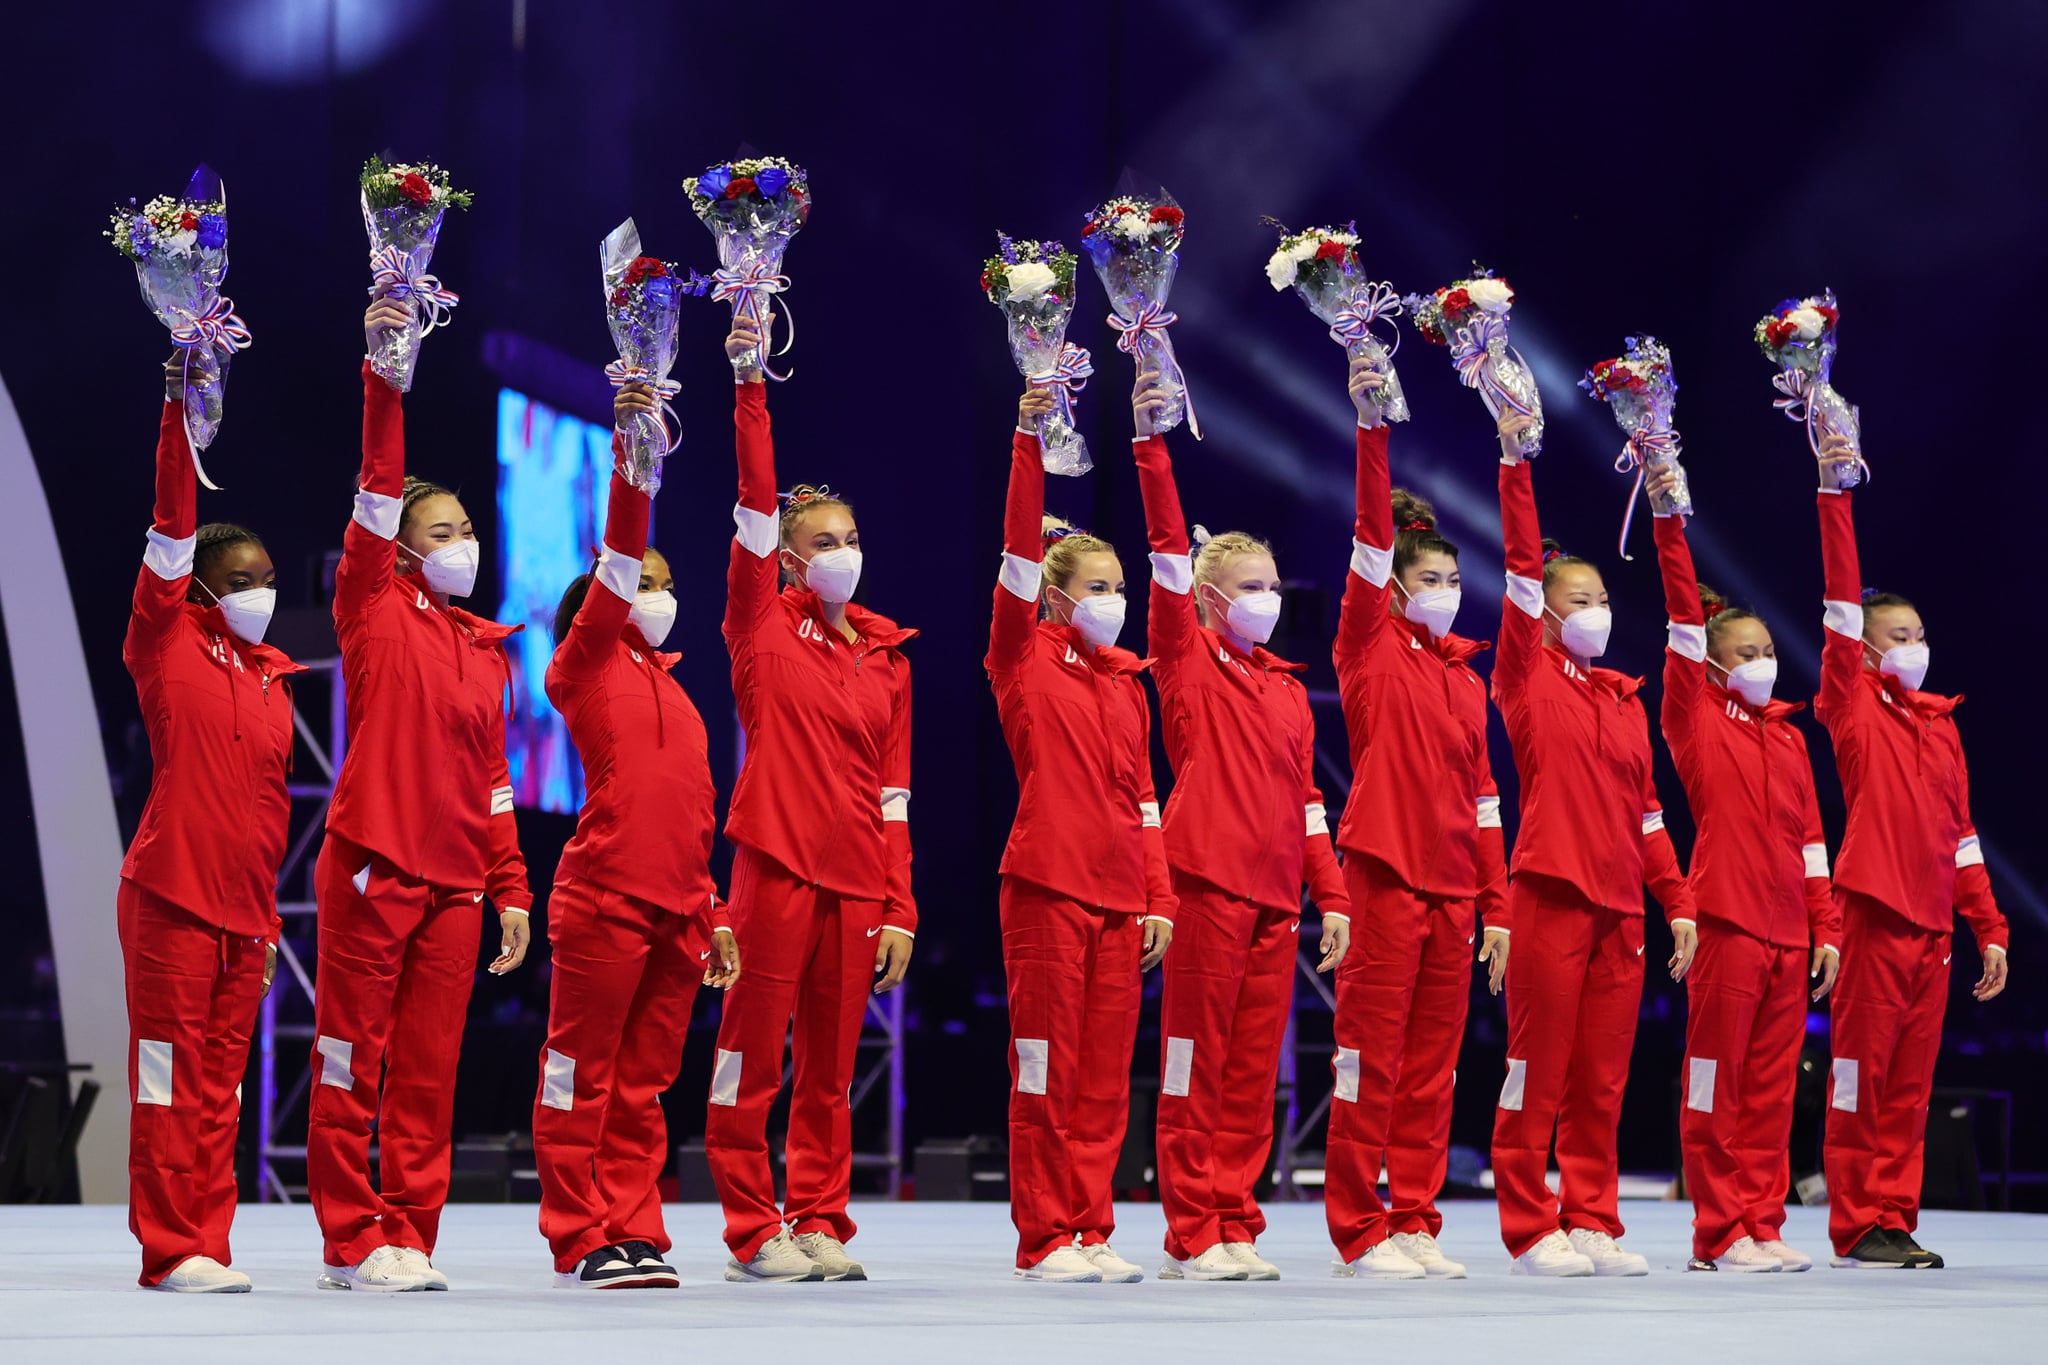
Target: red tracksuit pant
pixel 397 960
pixel 1074 991
pixel 192 996
pixel 1229 979
pixel 1575 980
pixel 810 957
pixel 625 973
pixel 1742 1037
pixel 1888 1009
pixel 1402 994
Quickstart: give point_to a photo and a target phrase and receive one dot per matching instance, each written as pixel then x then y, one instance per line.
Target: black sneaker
pixel 1917 1257
pixel 1875 1250
pixel 1701 1263
pixel 658 1274
pixel 609 1268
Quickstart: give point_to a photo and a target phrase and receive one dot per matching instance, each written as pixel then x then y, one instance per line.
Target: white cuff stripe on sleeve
pixel 1175 573
pixel 378 513
pixel 1148 814
pixel 1843 618
pixel 169 559
pixel 1489 812
pixel 1969 852
pixel 1372 563
pixel 1527 595
pixel 1687 641
pixel 501 800
pixel 1318 819
pixel 1816 859
pixel 896 804
pixel 759 532
pixel 1653 820
pixel 620 573
pixel 1021 577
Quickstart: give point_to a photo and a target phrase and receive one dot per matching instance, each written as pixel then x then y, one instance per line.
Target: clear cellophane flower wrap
pixel 753 206
pixel 643 297
pixel 1798 336
pixel 403 205
pixel 1033 283
pixel 1470 317
pixel 1321 266
pixel 1641 390
pixel 179 247
pixel 1134 242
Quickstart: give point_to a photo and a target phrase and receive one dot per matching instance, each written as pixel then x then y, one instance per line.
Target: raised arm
pixel 166 573
pixel 594 634
pixel 1023 573
pixel 753 574
pixel 1685 647
pixel 1841 654
pixel 368 562
pixel 1171 620
pixel 1521 624
pixel 1366 594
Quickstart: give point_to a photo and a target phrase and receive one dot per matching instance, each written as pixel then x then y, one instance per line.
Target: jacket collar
pixel 482 630
pixel 632 639
pixel 1452 649
pixel 1260 655
pixel 1771 711
pixel 1621 685
pixel 878 630
pixel 1929 705
pixel 268 658
pixel 1108 659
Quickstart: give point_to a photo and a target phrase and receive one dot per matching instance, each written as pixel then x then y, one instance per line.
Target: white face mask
pixel 1752 681
pixel 248 612
pixel 833 574
pixel 1253 615
pixel 653 614
pixel 1099 617
pixel 1585 631
pixel 450 569
pixel 1434 610
pixel 1907 663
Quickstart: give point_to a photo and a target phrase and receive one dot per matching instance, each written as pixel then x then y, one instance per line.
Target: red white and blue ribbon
pixel 1151 322
pixel 400 276
pixel 621 374
pixel 218 327
pixel 1635 455
pixel 1067 377
pixel 748 286
pixel 1797 403
pixel 1375 301
pixel 1469 353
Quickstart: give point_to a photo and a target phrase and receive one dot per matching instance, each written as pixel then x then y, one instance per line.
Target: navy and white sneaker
pixel 613 1267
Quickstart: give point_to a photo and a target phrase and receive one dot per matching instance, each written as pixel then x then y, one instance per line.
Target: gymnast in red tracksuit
pixel 1086 901
pixel 1910 861
pixel 1592 835
pixel 821 897
pixel 198 896
pixel 1770 935
pixel 420 831
pixel 1423 860
pixel 1244 829
pixel 631 916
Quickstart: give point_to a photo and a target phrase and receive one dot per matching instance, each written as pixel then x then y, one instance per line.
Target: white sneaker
pixel 1606 1254
pixel 1066 1265
pixel 1115 1269
pixel 1743 1257
pixel 384 1271
pixel 203 1275
pixel 1256 1266
pixel 779 1261
pixel 1552 1258
pixel 1383 1261
pixel 1792 1261
pixel 1422 1249
pixel 416 1261
pixel 829 1254
pixel 1214 1264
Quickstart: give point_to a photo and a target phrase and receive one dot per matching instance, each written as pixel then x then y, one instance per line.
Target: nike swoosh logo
pixel 477 896
pixel 1945 961
pixel 873 932
pixel 1639 952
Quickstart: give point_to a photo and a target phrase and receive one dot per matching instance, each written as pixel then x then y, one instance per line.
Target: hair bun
pixel 1868 593
pixel 1412 513
pixel 1200 536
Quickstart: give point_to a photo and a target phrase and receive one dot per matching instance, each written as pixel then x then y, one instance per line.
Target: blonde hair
pixel 802 500
pixel 1213 552
pixel 1065 544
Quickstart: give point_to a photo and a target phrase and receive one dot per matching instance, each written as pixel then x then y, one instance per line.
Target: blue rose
pixel 712 183
pixel 772 181
pixel 213 231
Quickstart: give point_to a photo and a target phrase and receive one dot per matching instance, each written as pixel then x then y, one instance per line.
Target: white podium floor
pixel 942 1291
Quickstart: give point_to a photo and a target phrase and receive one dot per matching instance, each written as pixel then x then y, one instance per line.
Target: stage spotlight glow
pixel 292 42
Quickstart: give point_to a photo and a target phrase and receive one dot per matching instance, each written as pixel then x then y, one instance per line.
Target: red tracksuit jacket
pixel 424 783
pixel 219 717
pixel 1423 799
pixel 1245 815
pixel 647 821
pixel 825 786
pixel 1911 844
pixel 1590 814
pixel 1079 730
pixel 1759 862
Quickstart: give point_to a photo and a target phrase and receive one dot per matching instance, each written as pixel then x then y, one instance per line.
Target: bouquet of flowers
pixel 1641 390
pixel 1471 317
pixel 1134 241
pixel 180 249
pixel 752 206
pixel 1798 336
pixel 643 295
pixel 1033 283
pixel 1321 264
pixel 402 209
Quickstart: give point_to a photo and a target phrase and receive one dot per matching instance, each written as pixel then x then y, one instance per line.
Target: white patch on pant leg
pixel 725 1079
pixel 1844 1074
pixel 1032 1055
pixel 361 881
pixel 1699 1084
pixel 152 1072
pixel 238 1096
pixel 1180 1066
pixel 558 1082
pixel 335 1059
pixel 1511 1088
pixel 1346 1068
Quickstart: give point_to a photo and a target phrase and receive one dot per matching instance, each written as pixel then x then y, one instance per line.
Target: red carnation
pixel 416 188
pixel 1087 228
pixel 619 297
pixel 1331 251
pixel 1456 303
pixel 189 221
pixel 1779 332
pixel 743 184
pixel 1168 214
pixel 1829 313
pixel 984 281
pixel 645 268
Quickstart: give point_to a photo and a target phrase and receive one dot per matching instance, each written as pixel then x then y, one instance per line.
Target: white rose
pixel 1134 225
pixel 1280 269
pixel 1809 322
pixel 1489 296
pixel 1030 279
